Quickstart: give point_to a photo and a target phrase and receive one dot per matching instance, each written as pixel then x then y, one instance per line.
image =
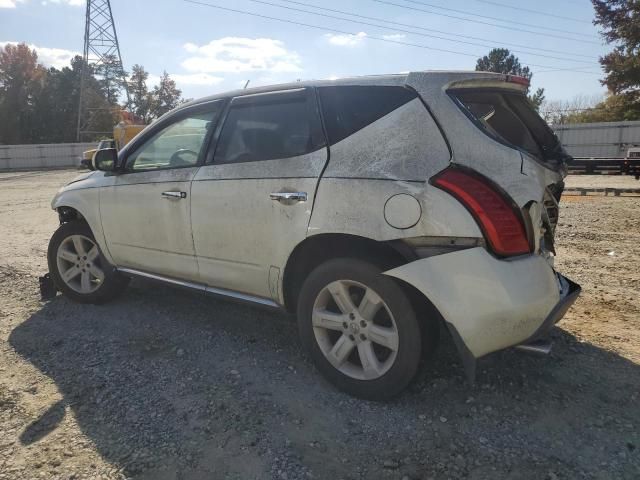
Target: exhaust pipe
pixel 539 347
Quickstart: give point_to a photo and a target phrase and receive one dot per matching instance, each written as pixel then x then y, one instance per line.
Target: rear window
pixel 347 109
pixel 510 118
pixel 270 127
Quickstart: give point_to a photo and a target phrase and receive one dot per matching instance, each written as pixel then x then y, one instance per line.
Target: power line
pixel 536 12
pixel 396 29
pixel 505 20
pixel 493 42
pixel 343 32
pixel 506 27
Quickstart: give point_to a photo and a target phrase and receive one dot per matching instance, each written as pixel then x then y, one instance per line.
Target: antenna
pixel 100 48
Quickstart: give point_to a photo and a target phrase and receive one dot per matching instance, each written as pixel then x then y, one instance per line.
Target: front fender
pixel 87 203
pixel 491 303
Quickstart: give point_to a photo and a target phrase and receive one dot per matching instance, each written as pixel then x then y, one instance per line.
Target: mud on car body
pixel 376 208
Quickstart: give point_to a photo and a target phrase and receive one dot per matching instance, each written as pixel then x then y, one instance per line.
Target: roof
pixel 398 79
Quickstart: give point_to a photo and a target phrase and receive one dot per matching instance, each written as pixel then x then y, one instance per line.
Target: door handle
pixel 289 196
pixel 176 195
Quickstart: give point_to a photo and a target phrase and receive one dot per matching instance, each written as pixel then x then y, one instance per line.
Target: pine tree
pixel 501 60
pixel 165 97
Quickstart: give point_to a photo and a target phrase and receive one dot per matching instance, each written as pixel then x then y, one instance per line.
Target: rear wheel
pixel 360 328
pixel 78 268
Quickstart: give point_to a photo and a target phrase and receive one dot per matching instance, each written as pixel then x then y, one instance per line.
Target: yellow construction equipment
pixel 123 133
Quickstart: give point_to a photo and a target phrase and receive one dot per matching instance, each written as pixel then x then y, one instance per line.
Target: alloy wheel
pixel 79 264
pixel 355 330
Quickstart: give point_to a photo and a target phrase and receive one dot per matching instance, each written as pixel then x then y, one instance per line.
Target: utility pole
pixel 100 48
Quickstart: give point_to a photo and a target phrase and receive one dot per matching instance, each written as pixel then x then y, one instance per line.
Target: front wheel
pixel 360 328
pixel 78 268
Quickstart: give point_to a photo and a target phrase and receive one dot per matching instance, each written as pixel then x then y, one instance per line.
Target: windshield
pixel 510 118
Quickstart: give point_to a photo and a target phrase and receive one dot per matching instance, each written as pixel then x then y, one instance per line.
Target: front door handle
pixel 175 195
pixel 289 196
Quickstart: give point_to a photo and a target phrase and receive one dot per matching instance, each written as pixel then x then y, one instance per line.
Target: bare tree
pixel 558 112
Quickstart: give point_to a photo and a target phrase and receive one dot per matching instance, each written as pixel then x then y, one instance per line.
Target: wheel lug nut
pixel 363 323
pixel 345 325
pixel 363 336
pixel 352 338
pixel 352 316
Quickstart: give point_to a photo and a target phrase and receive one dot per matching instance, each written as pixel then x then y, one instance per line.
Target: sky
pixel 209 50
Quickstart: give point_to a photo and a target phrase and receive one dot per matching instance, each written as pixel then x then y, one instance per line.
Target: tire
pixel 74 243
pixel 385 326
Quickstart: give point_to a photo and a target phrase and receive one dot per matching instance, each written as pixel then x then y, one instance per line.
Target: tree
pixel 112 78
pixel 558 112
pixel 620 21
pixel 141 99
pixel 501 60
pixel 21 80
pixel 165 97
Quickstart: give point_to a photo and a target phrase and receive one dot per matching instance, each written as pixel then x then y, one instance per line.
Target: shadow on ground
pixel 168 384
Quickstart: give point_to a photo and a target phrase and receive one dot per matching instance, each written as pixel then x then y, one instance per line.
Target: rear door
pixel 251 203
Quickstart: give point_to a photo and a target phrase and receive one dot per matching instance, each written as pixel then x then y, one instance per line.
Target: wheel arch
pixel 82 205
pixel 317 249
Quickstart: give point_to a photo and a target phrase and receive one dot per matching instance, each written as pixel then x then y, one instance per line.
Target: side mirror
pixel 105 160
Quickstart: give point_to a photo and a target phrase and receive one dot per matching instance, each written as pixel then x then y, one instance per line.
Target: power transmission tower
pixel 101 48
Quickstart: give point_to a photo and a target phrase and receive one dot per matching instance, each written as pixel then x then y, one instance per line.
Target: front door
pixel 146 212
pixel 252 202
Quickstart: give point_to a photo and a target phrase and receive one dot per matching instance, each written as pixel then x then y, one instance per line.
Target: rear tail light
pixel 499 219
pixel 519 80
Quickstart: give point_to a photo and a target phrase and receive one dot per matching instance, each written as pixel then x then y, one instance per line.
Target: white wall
pixel 605 139
pixel 55 155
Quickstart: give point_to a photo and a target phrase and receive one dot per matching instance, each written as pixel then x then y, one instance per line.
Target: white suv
pixel 375 208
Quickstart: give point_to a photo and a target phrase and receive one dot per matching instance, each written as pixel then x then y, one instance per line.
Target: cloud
pixel 394 36
pixel 345 40
pixel 10 3
pixel 236 55
pixel 73 3
pixel 50 57
pixel 196 79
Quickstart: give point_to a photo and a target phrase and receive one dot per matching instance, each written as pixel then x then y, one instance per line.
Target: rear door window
pixel 270 126
pixel 509 118
pixel 347 109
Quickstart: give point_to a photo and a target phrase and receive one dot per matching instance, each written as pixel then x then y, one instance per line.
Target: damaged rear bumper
pixel 491 304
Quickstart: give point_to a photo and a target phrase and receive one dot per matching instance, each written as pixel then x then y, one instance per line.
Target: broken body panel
pixel 488 303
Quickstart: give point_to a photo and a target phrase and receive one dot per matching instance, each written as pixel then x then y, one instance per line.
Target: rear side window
pixel 268 127
pixel 510 118
pixel 347 109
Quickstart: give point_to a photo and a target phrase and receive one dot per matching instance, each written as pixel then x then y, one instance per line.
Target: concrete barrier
pixel 42 156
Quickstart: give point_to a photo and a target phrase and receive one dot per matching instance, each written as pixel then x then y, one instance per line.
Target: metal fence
pixel 54 155
pixel 599 140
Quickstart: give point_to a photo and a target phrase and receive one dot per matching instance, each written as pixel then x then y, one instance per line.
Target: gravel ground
pixel 166 384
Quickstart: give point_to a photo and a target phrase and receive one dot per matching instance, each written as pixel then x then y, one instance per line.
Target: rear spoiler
pixel 513 82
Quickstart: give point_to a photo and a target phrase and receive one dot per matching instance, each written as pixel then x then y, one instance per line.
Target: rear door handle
pixel 175 195
pixel 289 196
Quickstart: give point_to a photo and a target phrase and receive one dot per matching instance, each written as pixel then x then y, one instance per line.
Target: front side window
pixel 177 145
pixel 276 126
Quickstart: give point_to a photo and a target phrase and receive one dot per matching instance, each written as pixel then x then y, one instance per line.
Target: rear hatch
pixel 507 116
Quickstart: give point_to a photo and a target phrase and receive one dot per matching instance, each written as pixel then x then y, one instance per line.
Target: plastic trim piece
pixel 221 292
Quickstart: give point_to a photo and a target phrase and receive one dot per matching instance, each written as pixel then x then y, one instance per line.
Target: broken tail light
pixel 499 219
pixel 518 79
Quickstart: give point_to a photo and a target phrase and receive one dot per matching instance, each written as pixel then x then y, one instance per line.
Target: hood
pixel 81 177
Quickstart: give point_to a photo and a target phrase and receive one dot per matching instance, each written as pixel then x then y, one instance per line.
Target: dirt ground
pixel 166 384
